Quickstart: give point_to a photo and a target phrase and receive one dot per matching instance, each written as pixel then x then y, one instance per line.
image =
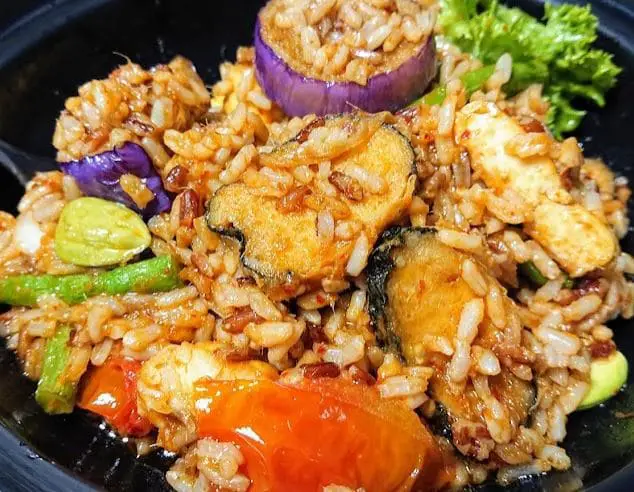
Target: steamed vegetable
pixel 99 175
pixel 557 53
pixel 417 295
pixel 299 93
pixel 96 232
pixel 472 81
pixel 111 391
pixel 281 245
pixel 54 393
pixel 607 376
pixel 578 240
pixel 155 275
pixel 313 433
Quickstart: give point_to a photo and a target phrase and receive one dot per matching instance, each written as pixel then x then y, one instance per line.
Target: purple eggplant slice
pixel 99 176
pixel 399 77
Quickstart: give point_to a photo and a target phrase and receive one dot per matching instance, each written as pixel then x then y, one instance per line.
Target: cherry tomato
pixel 110 391
pixel 305 436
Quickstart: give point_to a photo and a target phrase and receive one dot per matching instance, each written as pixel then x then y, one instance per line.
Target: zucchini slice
pixel 283 248
pixel 417 292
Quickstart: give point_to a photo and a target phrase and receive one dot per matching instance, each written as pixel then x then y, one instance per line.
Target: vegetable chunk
pixel 577 240
pixel 342 435
pixel 96 232
pixel 607 376
pixel 294 434
pixel 155 275
pixel 283 247
pixel 54 393
pixel 417 296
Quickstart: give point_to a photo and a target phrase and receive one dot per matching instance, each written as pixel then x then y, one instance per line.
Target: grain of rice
pixel 549 290
pixel 602 333
pixel 312 316
pixel 446 116
pixel 316 300
pixel 269 334
pixel 401 386
pixel 355 308
pixel 573 396
pixel 334 285
pixel 359 256
pixel 521 252
pixel 175 297
pixel 460 240
pixel 472 276
pixel 325 226
pixel 375 356
pixel 238 164
pixel 486 361
pixel 101 351
pixel 495 306
pixel 350 351
pixel 334 324
pixel 139 338
pixel 372 182
pixel 542 261
pixel 470 318
pixel 555 456
pixel 264 307
pixel 579 309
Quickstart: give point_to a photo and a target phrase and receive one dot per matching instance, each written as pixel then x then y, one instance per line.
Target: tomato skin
pixel 110 391
pixel 305 436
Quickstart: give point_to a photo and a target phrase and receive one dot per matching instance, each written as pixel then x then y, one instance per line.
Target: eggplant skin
pixel 300 94
pixel 380 265
pixel 416 290
pixel 282 247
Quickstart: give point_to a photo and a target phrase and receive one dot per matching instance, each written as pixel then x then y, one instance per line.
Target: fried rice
pixel 201 140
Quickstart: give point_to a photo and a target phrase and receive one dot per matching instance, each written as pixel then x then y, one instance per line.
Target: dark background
pixel 64 43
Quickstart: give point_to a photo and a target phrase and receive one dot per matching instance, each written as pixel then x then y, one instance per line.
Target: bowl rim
pixel 39 471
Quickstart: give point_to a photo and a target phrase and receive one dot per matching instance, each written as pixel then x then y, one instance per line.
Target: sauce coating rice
pixel 269 315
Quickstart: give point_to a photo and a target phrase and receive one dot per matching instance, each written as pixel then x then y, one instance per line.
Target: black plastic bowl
pixel 57 45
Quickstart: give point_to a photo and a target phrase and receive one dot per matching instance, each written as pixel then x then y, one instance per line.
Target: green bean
pixel 54 394
pixel 155 275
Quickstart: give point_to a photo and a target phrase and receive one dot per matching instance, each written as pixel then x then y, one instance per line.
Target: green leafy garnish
pixel 557 52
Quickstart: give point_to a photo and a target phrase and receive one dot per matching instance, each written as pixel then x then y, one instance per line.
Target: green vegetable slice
pixel 475 80
pixel 54 394
pixel 530 270
pixel 155 275
pixel 607 375
pixel 417 294
pixel 434 97
pixel 96 232
pixel 557 53
pixel 472 81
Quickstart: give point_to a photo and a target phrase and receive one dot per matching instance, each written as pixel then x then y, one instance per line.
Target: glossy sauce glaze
pixel 315 433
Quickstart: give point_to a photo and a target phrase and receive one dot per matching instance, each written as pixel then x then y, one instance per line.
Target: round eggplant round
pixel 298 94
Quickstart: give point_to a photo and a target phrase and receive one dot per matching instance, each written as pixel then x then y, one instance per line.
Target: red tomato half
pixel 110 391
pixel 319 432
